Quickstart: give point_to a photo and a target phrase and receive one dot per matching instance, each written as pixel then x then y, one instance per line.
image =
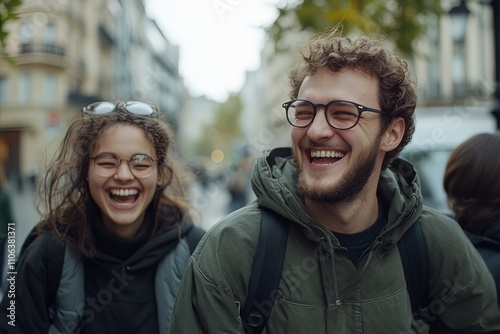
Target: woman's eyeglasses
pixel 107 164
pixel 133 107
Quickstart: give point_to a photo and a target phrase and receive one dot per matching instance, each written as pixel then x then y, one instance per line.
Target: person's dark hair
pixel 368 55
pixel 472 183
pixel 65 203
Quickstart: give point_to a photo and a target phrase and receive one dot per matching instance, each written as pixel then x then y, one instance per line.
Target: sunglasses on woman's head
pixel 133 107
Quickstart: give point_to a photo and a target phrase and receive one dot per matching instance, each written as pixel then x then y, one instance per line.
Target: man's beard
pixel 349 187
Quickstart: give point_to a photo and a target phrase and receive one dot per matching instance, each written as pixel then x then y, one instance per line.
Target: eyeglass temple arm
pixel 375 110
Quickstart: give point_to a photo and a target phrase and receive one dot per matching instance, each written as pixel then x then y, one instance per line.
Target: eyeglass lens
pixel 339 114
pixel 141 165
pixel 139 108
pixel 101 107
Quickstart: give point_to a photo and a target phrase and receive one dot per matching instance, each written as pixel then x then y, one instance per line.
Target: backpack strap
pixel 193 237
pixel 57 251
pixel 68 308
pixel 268 266
pixel 415 260
pixel 266 271
pixel 32 235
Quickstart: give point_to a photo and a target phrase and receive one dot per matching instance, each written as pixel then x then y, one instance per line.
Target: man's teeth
pixel 124 192
pixel 327 154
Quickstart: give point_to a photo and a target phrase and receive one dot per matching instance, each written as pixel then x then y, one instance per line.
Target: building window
pixel 26 32
pixel 4 90
pixel 49 34
pixel 24 89
pixel 49 89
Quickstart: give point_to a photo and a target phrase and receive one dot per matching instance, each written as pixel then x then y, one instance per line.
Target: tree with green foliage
pixel 403 21
pixel 7 13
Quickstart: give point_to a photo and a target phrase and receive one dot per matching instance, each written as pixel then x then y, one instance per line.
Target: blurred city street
pixel 210 203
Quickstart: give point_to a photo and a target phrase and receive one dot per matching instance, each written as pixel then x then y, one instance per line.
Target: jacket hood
pixel 274 181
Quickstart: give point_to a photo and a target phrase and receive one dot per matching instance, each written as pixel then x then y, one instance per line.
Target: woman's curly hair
pixel 64 200
pixel 369 55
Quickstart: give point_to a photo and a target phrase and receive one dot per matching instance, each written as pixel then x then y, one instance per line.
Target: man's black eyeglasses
pixel 340 114
pixel 133 107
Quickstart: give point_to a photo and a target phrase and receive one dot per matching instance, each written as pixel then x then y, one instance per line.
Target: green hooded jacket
pixel 321 290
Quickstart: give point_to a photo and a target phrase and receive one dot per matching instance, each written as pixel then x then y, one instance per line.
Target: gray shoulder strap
pixel 167 282
pixel 70 298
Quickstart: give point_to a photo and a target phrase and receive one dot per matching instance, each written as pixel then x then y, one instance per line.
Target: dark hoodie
pixel 488 246
pixel 129 266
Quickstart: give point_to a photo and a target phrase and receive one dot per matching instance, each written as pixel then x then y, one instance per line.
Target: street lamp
pixel 459 15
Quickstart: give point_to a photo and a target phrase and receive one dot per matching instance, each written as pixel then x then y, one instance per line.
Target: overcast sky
pixel 218 39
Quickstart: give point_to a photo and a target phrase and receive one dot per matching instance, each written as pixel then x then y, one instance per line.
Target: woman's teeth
pixel 124 192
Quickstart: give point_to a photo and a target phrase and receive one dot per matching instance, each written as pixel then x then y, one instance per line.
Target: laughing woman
pixel 112 245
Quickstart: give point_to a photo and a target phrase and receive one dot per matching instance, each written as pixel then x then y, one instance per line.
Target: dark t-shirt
pixel 357 243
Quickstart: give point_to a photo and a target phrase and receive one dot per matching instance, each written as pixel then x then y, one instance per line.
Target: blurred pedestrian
pixel 239 183
pixel 115 210
pixel 472 183
pixel 347 200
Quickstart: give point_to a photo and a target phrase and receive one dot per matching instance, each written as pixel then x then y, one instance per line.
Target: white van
pixel 438 131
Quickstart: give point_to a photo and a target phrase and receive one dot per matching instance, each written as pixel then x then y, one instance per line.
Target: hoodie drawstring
pixel 332 251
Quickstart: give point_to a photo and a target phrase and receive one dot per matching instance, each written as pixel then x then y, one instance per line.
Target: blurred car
pixel 438 131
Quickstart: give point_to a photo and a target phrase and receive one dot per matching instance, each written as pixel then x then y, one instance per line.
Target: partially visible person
pixel 472 183
pixel 116 218
pixel 347 200
pixel 6 213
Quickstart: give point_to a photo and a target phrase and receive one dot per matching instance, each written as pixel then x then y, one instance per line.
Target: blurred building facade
pixel 67 54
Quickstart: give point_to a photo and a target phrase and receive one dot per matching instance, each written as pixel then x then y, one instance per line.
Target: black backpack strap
pixel 28 240
pixel 194 236
pixel 413 251
pixel 266 271
pixel 56 249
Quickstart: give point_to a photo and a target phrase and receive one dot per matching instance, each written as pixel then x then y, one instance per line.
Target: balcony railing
pixel 41 48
